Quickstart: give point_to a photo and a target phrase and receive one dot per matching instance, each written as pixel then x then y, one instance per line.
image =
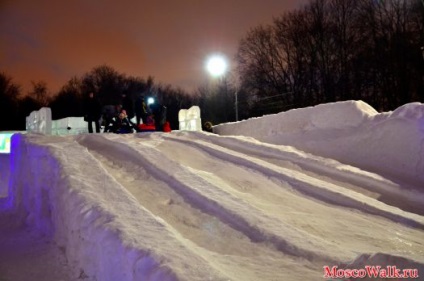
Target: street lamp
pixel 217 66
pixel 150 101
pixel 236 103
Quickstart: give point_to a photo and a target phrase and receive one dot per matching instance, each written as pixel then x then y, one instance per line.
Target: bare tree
pixel 334 50
pixel 68 102
pixel 105 82
pixel 390 55
pixel 9 94
pixel 40 93
pixel 214 102
pixel 262 66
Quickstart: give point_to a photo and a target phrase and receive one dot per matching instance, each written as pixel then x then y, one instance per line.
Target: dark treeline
pixel 330 50
pixel 333 50
pixel 104 81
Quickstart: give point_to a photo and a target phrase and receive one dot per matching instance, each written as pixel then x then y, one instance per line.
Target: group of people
pixel 118 118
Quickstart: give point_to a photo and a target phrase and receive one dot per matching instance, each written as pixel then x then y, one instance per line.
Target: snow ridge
pixel 205 196
pixel 350 132
pixel 393 192
pixel 324 191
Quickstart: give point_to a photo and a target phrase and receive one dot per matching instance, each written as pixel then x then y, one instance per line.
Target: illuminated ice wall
pixel 41 122
pixel 189 119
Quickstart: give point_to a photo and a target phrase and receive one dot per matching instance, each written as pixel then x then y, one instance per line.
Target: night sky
pixel 53 40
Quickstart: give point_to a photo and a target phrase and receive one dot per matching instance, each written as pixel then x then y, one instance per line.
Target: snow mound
pixel 351 132
pixel 411 111
pixel 340 115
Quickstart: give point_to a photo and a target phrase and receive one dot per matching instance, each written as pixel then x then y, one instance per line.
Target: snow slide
pixel 197 206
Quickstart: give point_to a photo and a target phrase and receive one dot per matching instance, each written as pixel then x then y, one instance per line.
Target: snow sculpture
pixel 40 121
pixel 182 119
pixel 29 123
pixel 189 119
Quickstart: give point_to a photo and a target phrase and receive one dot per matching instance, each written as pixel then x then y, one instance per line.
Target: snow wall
pixel 61 204
pixel 102 240
pixel 352 132
pixel 41 122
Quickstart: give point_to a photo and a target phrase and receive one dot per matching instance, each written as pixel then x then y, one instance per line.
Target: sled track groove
pixel 313 165
pixel 327 192
pixel 193 190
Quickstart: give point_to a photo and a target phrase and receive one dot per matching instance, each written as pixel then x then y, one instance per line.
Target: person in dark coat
pixel 92 112
pixel 141 109
pixel 109 112
pixel 159 114
pixel 123 125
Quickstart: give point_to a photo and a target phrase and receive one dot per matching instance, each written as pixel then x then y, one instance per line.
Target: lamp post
pixel 236 103
pixel 217 66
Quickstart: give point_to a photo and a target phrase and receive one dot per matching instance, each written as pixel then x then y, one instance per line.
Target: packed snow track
pixel 198 206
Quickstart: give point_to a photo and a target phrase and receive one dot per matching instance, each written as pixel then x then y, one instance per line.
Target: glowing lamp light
pixel 216 65
pixel 150 101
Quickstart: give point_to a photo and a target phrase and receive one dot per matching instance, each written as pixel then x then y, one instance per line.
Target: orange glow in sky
pixel 54 40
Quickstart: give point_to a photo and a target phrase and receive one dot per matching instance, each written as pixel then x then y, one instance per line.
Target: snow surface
pixel 270 198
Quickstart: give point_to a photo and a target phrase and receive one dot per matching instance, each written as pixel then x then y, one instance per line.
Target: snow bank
pixel 103 241
pixel 351 132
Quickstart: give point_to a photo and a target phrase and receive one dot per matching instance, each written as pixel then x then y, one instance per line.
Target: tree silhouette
pixel 68 101
pixel 9 94
pixel 40 93
pixel 333 50
pixel 105 82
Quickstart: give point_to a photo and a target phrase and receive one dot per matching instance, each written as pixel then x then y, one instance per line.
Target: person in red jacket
pixel 167 127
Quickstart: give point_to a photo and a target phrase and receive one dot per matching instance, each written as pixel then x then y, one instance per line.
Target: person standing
pixel 159 114
pixel 92 112
pixel 141 110
pixel 109 112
